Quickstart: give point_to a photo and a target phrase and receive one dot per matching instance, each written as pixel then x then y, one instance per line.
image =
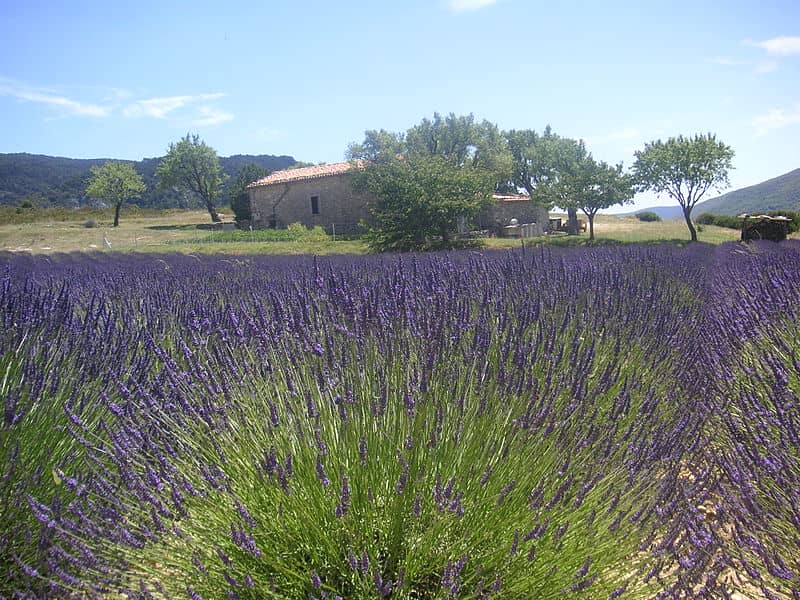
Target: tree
pixel 685 169
pixel 193 166
pixel 419 200
pixel 539 164
pixel 237 192
pixel 463 142
pixel 115 182
pixel 597 185
pixel 426 179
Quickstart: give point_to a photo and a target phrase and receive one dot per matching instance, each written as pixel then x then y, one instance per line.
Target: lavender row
pixel 455 425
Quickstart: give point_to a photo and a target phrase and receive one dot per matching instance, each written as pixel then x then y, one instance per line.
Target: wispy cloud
pixel 767 66
pixel 777 118
pixel 779 46
pixel 160 108
pixel 58 102
pixel 459 6
pixel 211 116
pixel 728 62
pixel 197 109
pixel 759 67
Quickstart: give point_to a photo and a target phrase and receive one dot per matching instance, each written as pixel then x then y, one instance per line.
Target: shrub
pixel 705 219
pixel 732 222
pixel 648 216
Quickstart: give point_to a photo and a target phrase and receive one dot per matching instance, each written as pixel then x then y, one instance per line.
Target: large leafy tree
pixel 426 179
pixel 115 182
pixel 192 166
pixel 419 200
pixel 685 169
pixel 540 164
pixel 237 192
pixel 462 141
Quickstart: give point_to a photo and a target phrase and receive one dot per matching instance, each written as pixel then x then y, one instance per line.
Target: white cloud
pixel 60 103
pixel 767 66
pixel 777 118
pixel 459 6
pixel 727 61
pixel 779 46
pixel 160 108
pixel 761 67
pixel 212 116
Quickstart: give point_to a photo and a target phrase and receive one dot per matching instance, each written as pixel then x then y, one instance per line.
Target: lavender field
pixel 617 422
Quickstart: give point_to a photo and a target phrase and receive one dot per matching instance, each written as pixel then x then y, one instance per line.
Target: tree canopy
pixel 115 182
pixel 420 199
pixel 685 169
pixel 237 191
pixel 594 185
pixel 427 179
pixel 193 166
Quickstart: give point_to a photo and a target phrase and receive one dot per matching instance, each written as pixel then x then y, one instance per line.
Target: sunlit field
pixel 177 231
pixel 539 422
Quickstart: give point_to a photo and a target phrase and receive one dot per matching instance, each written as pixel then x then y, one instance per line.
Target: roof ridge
pixel 304 173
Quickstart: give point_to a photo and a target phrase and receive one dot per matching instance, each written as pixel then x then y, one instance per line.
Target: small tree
pixel 598 185
pixel 419 199
pixel 115 182
pixel 685 169
pixel 237 192
pixel 193 166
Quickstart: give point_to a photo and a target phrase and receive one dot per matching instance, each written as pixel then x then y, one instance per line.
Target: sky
pixel 98 79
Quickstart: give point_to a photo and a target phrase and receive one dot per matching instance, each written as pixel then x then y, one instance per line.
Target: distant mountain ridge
pixel 58 181
pixel 778 193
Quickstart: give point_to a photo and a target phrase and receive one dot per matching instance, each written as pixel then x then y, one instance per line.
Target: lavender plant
pixel 558 422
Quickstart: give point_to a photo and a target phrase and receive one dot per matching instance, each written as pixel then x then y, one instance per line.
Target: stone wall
pixel 500 213
pixel 278 205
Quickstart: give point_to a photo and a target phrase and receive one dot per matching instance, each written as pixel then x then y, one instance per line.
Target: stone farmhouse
pixel 322 195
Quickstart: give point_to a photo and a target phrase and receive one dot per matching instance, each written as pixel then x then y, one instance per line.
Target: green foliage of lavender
pixel 549 422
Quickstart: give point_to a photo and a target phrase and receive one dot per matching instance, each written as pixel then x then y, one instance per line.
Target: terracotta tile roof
pixel 510 197
pixel 303 173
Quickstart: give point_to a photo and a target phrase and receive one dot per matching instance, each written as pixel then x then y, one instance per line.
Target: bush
pixel 705 219
pixel 90 223
pixel 732 222
pixel 648 216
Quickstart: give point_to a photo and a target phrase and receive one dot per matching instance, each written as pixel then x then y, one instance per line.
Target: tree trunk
pixel 445 235
pixel 116 214
pixel 687 215
pixel 591 226
pixel 213 212
pixel 572 221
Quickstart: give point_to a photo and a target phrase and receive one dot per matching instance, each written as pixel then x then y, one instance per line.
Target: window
pixel 314 205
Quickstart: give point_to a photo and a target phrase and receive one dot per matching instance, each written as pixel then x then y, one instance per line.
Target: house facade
pixel 322 195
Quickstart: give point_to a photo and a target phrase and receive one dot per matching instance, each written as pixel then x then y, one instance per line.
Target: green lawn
pixel 177 231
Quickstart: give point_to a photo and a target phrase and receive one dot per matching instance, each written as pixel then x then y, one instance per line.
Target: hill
pixel 57 181
pixel 779 193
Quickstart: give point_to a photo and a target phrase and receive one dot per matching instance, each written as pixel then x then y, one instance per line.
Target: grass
pixel 60 230
pixel 145 231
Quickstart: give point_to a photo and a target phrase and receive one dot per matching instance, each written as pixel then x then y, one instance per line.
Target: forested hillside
pixel 779 193
pixel 57 181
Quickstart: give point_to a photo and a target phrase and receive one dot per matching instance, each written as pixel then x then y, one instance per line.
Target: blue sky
pixel 89 79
